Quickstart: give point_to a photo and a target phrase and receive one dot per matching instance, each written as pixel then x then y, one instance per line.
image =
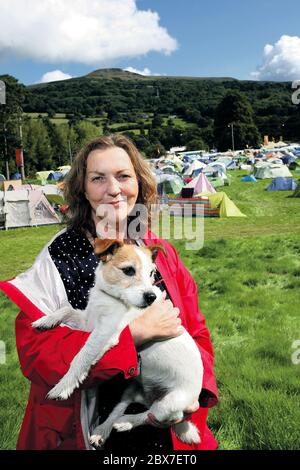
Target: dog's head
pixel 127 271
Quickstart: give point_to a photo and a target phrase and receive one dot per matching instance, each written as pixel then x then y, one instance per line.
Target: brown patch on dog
pixel 152 250
pixel 126 255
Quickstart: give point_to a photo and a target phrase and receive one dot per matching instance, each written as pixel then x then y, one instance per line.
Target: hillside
pixel 105 89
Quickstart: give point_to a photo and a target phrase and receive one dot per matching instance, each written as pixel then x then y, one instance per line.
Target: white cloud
pixel 146 72
pixel 54 76
pixel 86 31
pixel 281 61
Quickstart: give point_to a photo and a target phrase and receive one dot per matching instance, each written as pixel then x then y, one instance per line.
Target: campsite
pixel 248 275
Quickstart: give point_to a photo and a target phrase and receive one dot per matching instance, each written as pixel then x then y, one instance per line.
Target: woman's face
pixel 111 183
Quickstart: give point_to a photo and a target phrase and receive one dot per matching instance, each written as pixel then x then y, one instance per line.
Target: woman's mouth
pixel 115 203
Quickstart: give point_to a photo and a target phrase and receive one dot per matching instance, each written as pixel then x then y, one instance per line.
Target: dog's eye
pixel 129 271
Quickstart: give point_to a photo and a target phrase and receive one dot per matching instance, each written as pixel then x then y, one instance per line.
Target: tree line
pixel 147 111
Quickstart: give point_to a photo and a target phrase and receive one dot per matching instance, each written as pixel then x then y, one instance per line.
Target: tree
pixel 196 144
pixel 235 110
pixel 10 120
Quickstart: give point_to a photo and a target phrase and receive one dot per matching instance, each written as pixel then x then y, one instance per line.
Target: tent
pixel 23 208
pixel 232 165
pixel 249 179
pixel 225 206
pixel 10 185
pixel 268 170
pixel 200 184
pixel 282 184
pixel 168 183
pixel 55 176
pixel 16 176
pixel 297 191
pixel 196 165
pixel 64 169
pixel 216 182
pixel 295 165
pixel 42 176
pixel 192 207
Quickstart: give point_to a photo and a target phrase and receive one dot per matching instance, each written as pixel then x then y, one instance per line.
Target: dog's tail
pixel 187 432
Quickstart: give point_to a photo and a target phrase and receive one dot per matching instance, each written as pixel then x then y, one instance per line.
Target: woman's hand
pixel 159 322
pixel 166 424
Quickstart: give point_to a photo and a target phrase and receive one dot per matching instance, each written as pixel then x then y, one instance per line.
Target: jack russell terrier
pixel 172 370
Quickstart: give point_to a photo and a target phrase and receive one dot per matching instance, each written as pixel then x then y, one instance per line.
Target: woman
pixel 107 181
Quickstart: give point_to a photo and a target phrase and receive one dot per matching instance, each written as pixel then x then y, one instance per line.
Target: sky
pixel 42 41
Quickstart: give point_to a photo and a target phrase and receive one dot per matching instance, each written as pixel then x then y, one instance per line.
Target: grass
pixel 248 273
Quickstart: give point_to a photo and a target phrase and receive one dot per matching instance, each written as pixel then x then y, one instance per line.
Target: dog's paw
pixel 65 387
pixel 59 393
pixel 41 324
pixel 97 441
pixel 187 432
pixel 121 426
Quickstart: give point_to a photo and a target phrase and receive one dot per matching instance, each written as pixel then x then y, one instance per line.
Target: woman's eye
pixel 129 271
pixel 98 178
pixel 124 177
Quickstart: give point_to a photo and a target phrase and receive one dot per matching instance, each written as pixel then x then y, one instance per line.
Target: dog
pixel 172 371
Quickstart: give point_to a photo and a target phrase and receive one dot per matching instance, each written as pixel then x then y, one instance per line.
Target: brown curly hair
pixel 79 216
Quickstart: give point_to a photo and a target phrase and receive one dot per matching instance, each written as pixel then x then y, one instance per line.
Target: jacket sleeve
pixel 197 328
pixel 46 356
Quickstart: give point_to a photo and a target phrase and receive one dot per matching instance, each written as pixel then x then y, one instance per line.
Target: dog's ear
pixel 155 249
pixel 105 249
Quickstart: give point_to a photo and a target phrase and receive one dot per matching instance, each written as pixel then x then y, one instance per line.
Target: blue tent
pixel 16 176
pixel 249 179
pixel 287 159
pixel 55 176
pixel 282 184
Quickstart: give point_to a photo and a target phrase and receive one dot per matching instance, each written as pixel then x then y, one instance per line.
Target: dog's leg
pixel 128 422
pixel 170 408
pixel 133 394
pixel 74 318
pixel 187 432
pixel 95 347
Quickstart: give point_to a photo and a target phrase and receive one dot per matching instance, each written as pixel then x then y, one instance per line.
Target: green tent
pixel 295 165
pixel 216 182
pixel 42 176
pixel 226 206
pixel 296 193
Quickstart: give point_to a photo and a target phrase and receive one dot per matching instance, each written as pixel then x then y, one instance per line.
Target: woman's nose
pixel 113 187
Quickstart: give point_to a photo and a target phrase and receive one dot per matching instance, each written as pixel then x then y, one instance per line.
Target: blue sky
pixel 190 38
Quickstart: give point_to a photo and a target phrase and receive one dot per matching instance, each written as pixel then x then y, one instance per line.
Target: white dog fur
pixel 171 375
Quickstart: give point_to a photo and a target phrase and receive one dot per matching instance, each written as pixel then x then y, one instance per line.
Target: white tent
pixel 196 165
pixel 269 170
pixel 23 208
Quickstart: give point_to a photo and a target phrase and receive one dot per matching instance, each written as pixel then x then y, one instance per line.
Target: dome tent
pixel 249 179
pixel 282 184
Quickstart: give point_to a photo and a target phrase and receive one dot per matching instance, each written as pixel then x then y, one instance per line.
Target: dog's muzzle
pixel 149 297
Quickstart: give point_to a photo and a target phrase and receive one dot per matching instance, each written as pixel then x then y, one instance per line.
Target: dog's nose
pixel 149 297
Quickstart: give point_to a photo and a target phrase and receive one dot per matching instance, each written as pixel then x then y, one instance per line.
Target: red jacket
pixel 45 357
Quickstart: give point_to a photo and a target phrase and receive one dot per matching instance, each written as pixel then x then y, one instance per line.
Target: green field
pixel 248 273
